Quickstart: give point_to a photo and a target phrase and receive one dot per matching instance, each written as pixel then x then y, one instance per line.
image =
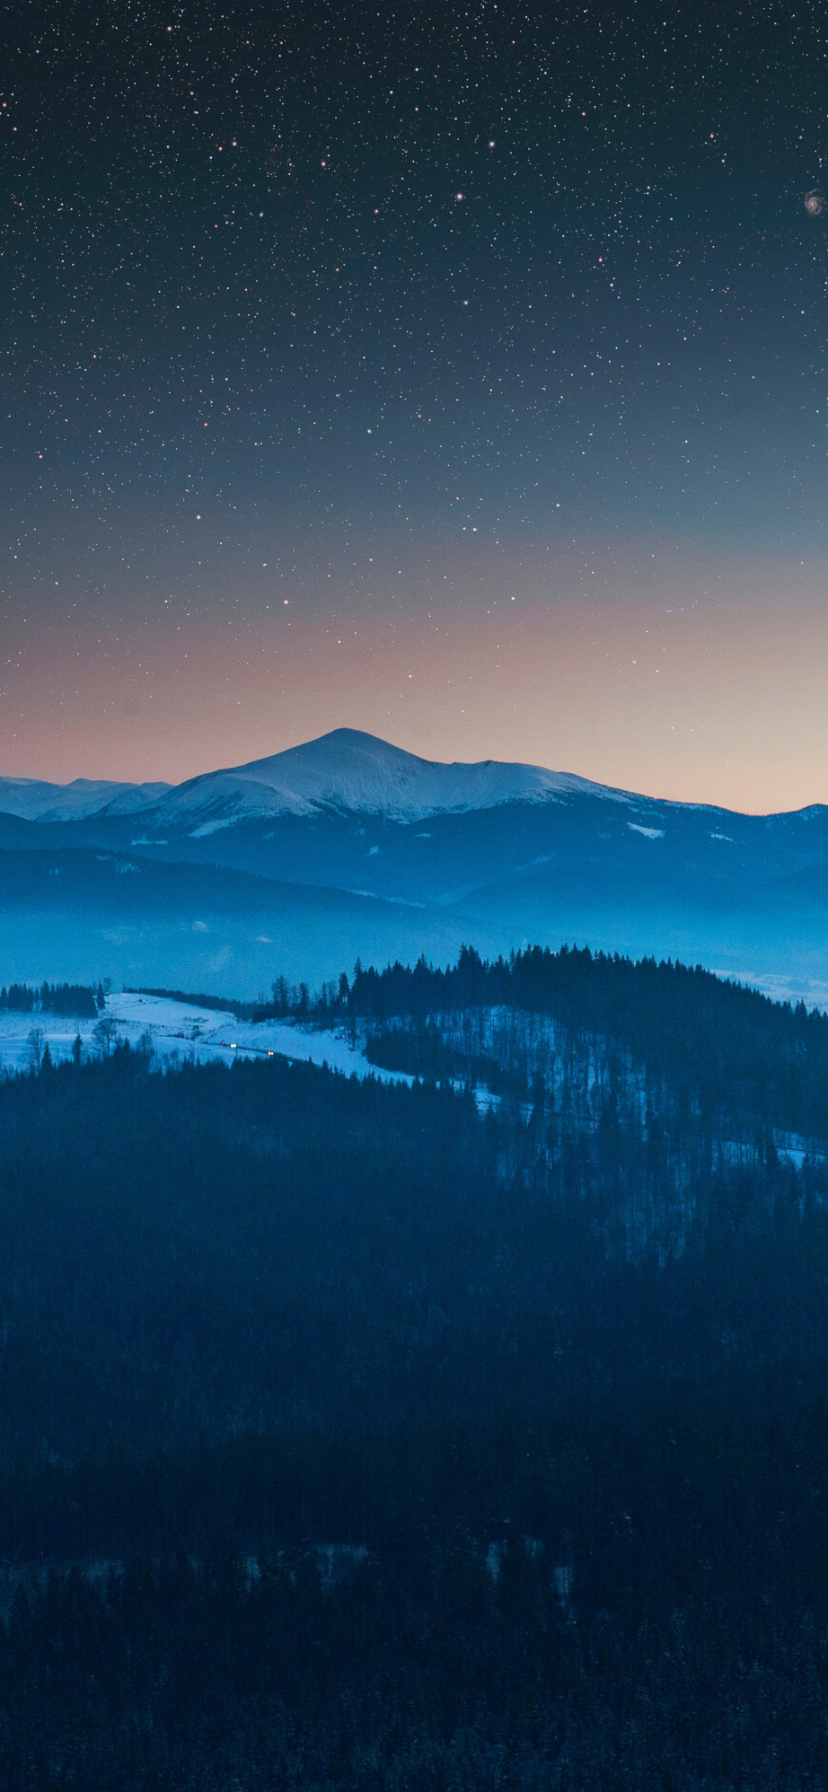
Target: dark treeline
pixel 720 1044
pixel 418 1446
pixel 262 1244
pixel 288 999
pixel 216 1004
pixel 75 999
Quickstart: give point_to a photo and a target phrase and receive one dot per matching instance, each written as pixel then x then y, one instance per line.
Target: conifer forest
pixel 461 1433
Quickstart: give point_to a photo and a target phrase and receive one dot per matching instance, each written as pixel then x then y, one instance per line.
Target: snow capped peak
pixel 32 799
pixel 346 770
pixel 355 772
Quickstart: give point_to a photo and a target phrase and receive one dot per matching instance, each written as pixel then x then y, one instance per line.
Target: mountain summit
pixel 357 773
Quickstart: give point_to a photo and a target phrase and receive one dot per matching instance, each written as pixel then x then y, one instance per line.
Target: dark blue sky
pixel 492 340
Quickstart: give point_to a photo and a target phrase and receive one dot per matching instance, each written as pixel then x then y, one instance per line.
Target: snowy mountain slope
pixel 350 773
pixel 578 843
pixel 354 772
pixel 34 800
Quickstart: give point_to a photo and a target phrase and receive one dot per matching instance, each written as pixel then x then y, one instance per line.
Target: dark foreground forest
pixel 472 1434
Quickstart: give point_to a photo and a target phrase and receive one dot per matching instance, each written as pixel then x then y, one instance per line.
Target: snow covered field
pixel 183 1030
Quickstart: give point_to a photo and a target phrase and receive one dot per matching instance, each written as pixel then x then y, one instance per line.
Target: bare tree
pixel 35 1047
pixel 104 1033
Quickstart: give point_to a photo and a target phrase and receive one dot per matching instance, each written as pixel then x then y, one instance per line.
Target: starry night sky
pixel 458 374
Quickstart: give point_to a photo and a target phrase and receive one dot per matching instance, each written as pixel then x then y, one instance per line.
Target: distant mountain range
pixel 345 770
pixel 348 846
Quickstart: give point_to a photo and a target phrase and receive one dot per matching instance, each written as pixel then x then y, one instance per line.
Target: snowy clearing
pixel 183 1030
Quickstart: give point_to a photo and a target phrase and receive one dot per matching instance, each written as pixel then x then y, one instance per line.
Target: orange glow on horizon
pixel 673 679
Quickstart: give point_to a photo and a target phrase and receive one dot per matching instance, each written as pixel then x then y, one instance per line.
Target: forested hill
pixel 728 1049
pixel 658 1010
pixel 423 1431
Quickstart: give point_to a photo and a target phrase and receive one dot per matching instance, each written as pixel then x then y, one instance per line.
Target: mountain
pixel 346 771
pixel 358 774
pixel 403 849
pixel 78 914
pixel 33 800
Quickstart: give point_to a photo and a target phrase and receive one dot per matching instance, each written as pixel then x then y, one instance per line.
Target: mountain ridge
pixel 346 770
pixel 358 773
pixel 407 856
pixel 37 799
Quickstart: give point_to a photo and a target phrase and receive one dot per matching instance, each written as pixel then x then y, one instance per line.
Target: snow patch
pixel 212 827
